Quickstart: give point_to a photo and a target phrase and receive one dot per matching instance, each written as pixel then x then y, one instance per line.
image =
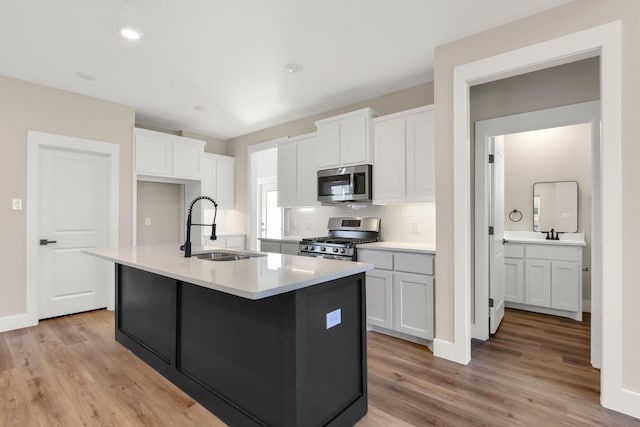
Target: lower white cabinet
pixel 400 291
pixel 544 278
pixel 380 298
pixel 279 247
pixel 413 297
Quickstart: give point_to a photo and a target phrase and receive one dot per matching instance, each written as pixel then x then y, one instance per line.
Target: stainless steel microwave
pixel 348 184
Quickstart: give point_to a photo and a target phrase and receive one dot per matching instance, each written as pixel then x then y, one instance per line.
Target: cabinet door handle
pixel 44 242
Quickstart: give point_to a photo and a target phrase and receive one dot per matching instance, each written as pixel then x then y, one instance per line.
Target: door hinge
pixel 491 158
pixel 491 230
pixel 490 302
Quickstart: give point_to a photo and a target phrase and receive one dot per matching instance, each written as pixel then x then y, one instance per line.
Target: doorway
pixel 561 133
pixel 269 214
pixel 72 199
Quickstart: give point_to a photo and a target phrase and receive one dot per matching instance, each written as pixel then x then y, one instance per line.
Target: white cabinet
pixel 403 156
pixel 297 171
pixel 544 278
pixel 413 304
pixel 514 280
pixel 400 292
pixel 537 288
pixel 380 298
pixel 564 294
pixel 278 246
pixel 346 139
pixel 164 155
pixel 218 179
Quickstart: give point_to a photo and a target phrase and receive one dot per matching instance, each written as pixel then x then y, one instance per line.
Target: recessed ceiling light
pixel 130 33
pixel 293 68
pixel 200 108
pixel 85 76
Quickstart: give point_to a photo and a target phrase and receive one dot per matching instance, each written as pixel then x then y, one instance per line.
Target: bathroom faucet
pixel 187 244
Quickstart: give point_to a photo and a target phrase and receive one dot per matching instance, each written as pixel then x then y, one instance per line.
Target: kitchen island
pixel 274 340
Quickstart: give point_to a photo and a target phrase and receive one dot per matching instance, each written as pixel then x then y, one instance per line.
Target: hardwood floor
pixel 69 371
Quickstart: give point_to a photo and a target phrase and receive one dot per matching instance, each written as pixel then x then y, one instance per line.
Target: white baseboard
pixel 586 306
pixel 10 323
pixel 624 401
pixel 448 350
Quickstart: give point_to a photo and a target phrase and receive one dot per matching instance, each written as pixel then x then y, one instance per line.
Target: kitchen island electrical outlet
pixel 334 318
pixel 16 204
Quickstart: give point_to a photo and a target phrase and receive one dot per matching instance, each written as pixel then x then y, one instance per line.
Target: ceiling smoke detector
pixel 200 108
pixel 293 68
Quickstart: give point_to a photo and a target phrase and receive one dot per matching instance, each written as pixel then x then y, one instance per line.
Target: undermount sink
pixel 227 256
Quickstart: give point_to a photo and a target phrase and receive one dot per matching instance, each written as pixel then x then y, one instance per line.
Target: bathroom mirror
pixel 555 205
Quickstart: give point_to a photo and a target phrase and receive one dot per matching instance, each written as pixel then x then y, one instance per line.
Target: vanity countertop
pixel 537 238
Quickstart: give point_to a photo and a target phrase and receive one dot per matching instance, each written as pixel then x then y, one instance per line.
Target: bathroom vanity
pixel 544 276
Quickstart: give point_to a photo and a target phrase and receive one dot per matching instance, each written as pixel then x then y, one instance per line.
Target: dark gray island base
pixel 275 361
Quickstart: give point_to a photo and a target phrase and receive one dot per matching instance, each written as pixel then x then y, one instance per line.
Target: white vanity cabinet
pixel 297 171
pixel 346 140
pixel 403 155
pixel 218 179
pixel 400 292
pixel 163 155
pixel 545 278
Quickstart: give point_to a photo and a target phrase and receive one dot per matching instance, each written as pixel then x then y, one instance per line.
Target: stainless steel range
pixel 345 233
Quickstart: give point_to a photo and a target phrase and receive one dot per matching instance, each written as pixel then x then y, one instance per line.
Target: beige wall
pixel 214 145
pixel 557 154
pixel 26 106
pixel 572 17
pixel 163 204
pixel 237 147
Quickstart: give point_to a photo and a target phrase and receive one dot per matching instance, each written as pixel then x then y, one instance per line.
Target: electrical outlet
pixel 16 204
pixel 415 227
pixel 147 221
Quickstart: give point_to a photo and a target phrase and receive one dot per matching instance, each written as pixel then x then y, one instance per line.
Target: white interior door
pixel 73 215
pixel 496 241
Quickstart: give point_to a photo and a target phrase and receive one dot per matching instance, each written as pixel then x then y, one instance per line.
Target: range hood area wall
pixel 412 223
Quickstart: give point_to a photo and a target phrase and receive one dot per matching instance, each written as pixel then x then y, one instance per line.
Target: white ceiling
pixel 229 55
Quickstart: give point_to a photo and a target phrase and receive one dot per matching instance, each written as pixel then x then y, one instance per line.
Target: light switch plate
pixel 16 204
pixel 147 221
pixel 334 318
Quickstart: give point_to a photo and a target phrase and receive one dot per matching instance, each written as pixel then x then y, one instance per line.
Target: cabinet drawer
pixel 269 246
pixel 513 251
pixel 562 253
pixel 381 259
pixel 414 263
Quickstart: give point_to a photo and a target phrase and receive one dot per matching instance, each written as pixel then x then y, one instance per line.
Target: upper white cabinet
pixel 165 155
pixel 297 167
pixel 346 139
pixel 403 157
pixel 218 179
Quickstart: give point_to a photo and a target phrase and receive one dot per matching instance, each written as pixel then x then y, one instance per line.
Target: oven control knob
pixel 303 248
pixel 335 249
pixel 323 249
pixel 341 250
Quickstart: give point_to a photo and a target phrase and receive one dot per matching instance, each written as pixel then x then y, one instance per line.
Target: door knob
pixel 44 242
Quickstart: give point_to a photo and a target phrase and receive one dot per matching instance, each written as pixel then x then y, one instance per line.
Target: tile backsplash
pixel 415 223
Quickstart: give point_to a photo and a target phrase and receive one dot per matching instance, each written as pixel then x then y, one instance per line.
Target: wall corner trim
pixel 448 350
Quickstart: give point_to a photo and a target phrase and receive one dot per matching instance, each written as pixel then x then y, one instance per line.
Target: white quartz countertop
pixel 429 248
pixel 253 278
pixel 537 238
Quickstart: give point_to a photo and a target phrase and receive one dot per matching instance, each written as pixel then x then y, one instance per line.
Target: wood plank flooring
pixel 69 371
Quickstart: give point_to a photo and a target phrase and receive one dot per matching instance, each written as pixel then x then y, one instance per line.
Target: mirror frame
pixel 533 206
